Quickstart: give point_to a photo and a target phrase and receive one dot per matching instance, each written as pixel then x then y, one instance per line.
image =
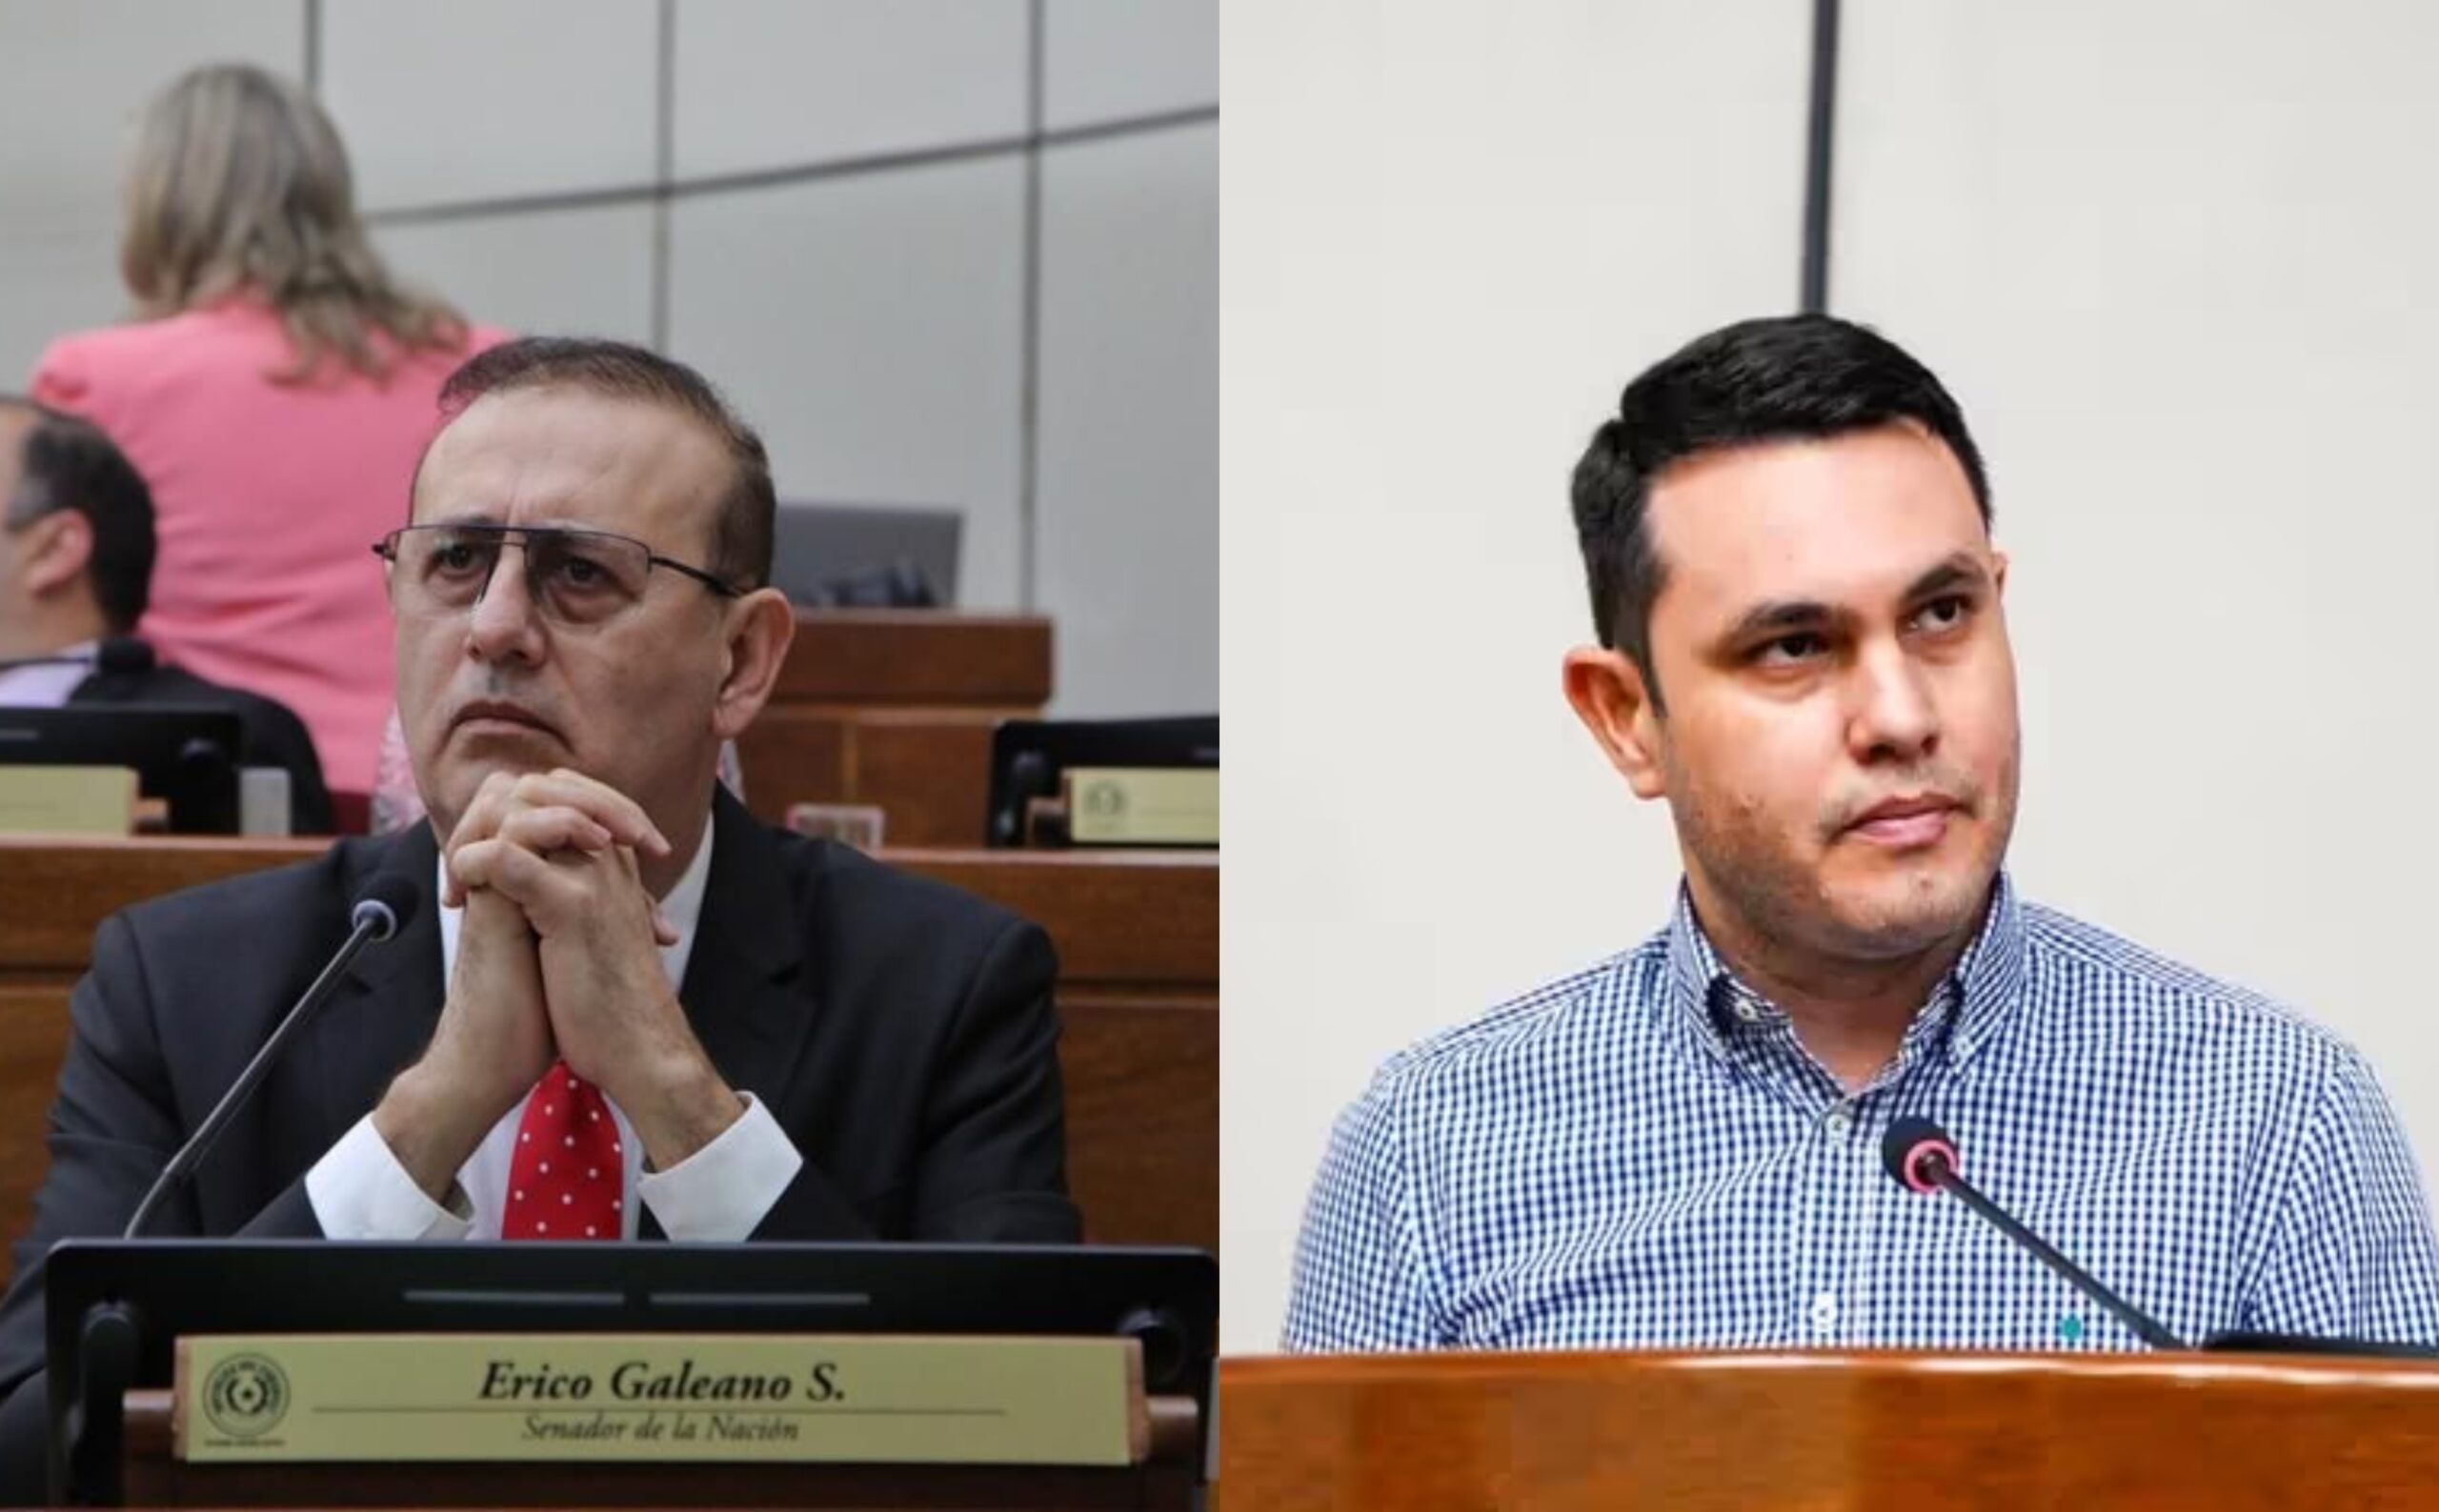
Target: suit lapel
pixel 99 688
pixel 740 990
pixel 382 1016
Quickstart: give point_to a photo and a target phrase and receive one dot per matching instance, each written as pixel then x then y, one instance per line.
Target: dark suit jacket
pixel 272 736
pixel 901 1032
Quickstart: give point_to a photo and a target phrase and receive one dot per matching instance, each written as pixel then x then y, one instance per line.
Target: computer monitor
pixel 1030 757
pixel 867 554
pixel 114 1308
pixel 187 756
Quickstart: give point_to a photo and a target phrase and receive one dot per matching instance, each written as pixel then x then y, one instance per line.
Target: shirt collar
pixel 682 907
pixel 1973 999
pixel 51 681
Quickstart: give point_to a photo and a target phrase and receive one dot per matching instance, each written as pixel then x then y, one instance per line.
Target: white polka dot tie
pixel 579 1193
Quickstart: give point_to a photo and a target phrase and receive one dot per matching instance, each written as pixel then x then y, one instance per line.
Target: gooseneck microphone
pixel 389 902
pixel 1922 1158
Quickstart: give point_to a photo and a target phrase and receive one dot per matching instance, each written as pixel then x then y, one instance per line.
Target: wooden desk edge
pixel 1495 1367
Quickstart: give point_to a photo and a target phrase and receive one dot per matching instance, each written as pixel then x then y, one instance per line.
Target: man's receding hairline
pixel 1660 575
pixel 562 385
pixel 1673 472
pixel 1722 452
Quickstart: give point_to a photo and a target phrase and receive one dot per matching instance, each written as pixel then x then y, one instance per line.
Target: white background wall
pixel 2177 262
pixel 843 187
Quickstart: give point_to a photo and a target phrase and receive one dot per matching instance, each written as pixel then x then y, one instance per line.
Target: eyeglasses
pixel 578 578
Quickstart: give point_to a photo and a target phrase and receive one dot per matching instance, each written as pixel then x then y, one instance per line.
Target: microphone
pixel 118 655
pixel 388 903
pixel 1921 1157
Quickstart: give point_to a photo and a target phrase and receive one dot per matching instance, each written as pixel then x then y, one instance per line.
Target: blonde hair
pixel 238 183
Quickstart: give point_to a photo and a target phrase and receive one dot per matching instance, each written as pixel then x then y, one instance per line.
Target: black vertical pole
pixel 1818 157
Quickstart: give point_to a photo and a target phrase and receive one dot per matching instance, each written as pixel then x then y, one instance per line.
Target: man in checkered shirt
pixel 1803 650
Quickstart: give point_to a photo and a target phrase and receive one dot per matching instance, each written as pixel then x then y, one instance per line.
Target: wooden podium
pixel 1887 1432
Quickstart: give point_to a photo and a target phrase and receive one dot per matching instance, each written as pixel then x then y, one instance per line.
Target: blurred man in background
pixel 76 554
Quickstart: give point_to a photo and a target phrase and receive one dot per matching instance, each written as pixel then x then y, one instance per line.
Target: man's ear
pixel 1613 698
pixel 1998 574
pixel 760 625
pixel 57 550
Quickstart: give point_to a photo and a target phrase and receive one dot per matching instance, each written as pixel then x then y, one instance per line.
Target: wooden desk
pixel 1889 1431
pixel 1139 943
pixel 896 708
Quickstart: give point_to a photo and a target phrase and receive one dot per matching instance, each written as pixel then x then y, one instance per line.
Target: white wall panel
pixel 774 83
pixel 2181 265
pixel 1128 511
pixel 558 272
pixel 1105 60
pixel 447 100
pixel 1452 234
pixel 871 328
pixel 72 79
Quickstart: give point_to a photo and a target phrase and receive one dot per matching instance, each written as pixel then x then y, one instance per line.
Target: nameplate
pixel 67 801
pixel 848 1399
pixel 1143 806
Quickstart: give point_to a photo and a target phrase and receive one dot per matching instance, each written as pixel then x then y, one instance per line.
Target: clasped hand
pixel 558 957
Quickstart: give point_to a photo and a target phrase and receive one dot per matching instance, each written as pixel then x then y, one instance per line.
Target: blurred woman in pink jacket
pixel 275 393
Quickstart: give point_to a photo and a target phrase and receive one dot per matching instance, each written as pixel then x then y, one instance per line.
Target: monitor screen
pixel 1029 758
pixel 187 757
pixel 867 554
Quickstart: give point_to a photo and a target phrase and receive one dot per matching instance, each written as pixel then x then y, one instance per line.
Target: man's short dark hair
pixel 741 529
pixel 1780 378
pixel 68 464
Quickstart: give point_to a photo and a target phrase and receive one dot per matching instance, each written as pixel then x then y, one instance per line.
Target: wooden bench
pixel 894 708
pixel 1139 943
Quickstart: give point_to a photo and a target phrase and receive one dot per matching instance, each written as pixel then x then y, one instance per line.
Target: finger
pixel 517 873
pixel 479 820
pixel 663 932
pixel 620 815
pixel 560 890
pixel 630 879
pixel 553 829
pixel 466 867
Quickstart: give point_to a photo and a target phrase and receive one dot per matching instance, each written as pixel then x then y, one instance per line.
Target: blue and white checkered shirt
pixel 1644 1156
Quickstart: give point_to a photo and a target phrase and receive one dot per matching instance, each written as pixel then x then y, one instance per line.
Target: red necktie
pixel 568 1177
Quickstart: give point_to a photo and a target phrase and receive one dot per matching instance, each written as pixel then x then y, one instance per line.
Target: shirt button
pixel 1840 1124
pixel 1748 1010
pixel 1824 1312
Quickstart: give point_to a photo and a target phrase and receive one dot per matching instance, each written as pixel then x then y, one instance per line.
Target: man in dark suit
pixel 77 550
pixel 627 1008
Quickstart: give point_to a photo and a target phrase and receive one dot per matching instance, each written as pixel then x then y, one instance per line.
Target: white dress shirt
pixel 359 1191
pixel 48 685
